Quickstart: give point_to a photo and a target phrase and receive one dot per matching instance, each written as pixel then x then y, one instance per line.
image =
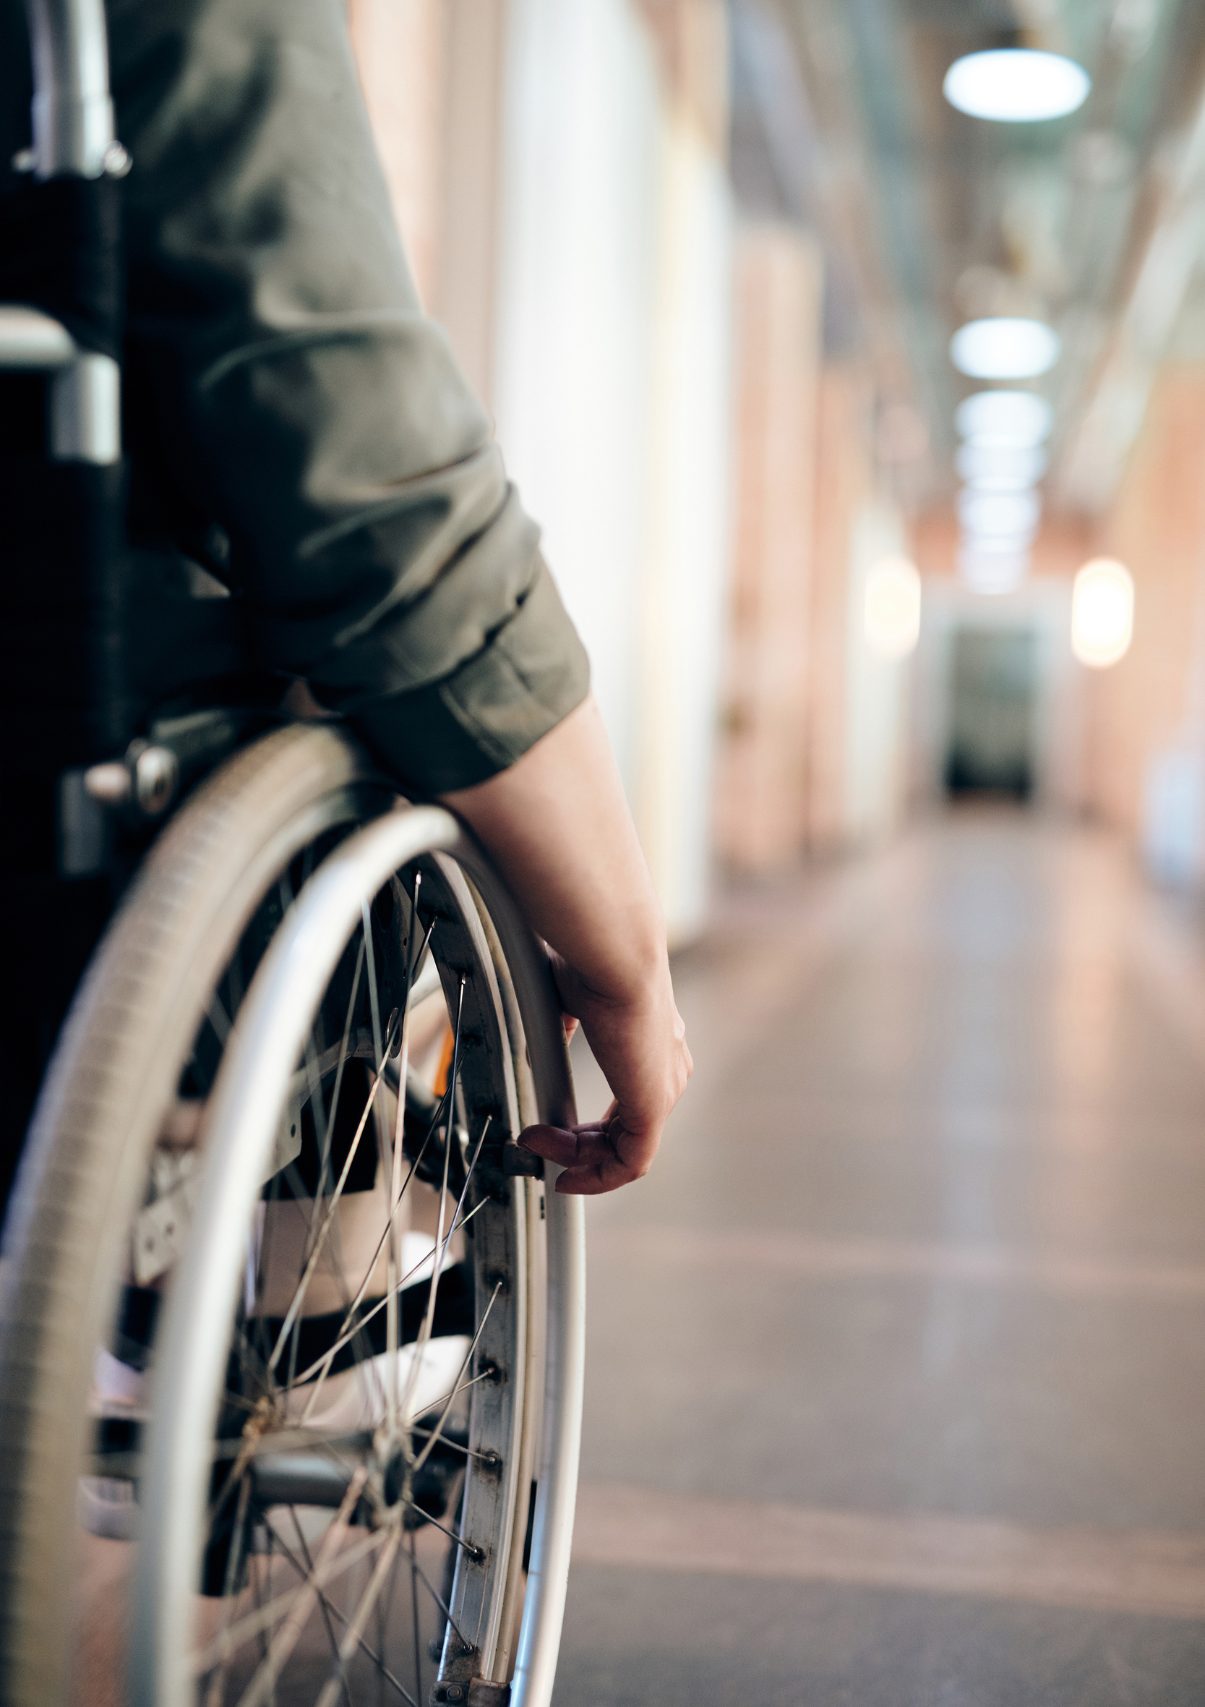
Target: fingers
pixel 557 1144
pixel 569 1147
pixel 593 1181
pixel 598 1156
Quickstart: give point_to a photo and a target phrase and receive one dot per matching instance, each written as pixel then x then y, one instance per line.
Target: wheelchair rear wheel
pixel 278 1285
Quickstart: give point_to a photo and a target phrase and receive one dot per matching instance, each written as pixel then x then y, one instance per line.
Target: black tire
pixel 243 867
pixel 94 1126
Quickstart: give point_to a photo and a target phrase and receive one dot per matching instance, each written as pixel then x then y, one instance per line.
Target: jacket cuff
pixel 488 712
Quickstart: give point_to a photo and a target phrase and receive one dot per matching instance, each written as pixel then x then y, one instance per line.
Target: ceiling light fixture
pixel 996 572
pixel 1000 467
pixel 1005 348
pixel 1011 513
pixel 994 552
pixel 1016 85
pixel 1000 418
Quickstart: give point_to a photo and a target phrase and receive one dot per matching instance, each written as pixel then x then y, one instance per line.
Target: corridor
pixel 896 1372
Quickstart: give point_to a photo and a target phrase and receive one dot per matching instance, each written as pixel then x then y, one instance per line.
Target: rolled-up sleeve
pixel 283 380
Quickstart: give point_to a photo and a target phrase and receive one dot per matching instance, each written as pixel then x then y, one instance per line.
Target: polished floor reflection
pixel 896 1381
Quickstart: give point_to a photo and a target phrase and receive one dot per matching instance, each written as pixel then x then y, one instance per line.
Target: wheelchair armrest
pixel 31 342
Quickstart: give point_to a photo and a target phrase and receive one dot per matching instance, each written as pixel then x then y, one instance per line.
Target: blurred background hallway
pixel 851 354
pixel 896 1377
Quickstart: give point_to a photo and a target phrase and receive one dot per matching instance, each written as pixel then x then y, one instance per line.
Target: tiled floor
pixel 904 1336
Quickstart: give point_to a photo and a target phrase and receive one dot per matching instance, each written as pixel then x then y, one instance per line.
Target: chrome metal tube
pixel 72 109
pixel 33 342
pixel 300 1478
pixel 72 117
pixel 85 411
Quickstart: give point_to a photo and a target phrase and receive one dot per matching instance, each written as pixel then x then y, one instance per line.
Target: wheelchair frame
pixel 73 136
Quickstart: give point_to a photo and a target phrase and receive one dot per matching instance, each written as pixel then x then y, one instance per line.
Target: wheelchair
pixel 291 1329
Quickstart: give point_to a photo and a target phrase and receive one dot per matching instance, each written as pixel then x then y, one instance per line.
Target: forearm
pixel 557 825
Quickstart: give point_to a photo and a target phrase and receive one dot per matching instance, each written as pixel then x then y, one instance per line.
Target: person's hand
pixel 558 827
pixel 639 1043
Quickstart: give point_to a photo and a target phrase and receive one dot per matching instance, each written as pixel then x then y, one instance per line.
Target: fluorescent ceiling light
pixel 996 547
pixel 1004 347
pixel 998 441
pixel 892 607
pixel 1010 417
pixel 1019 415
pixel 1016 85
pixel 998 544
pixel 999 512
pixel 1000 467
pixel 998 572
pixel 1102 613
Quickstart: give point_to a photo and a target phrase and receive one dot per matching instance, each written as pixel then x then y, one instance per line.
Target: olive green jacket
pixel 302 424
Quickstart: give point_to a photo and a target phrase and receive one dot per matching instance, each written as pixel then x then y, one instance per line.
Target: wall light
pixel 1003 347
pixel 1016 85
pixel 1102 613
pixel 999 512
pixel 892 607
pixel 996 418
pixel 1000 468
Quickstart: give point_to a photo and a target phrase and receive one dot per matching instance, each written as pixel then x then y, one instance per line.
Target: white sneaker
pixel 355 1399
pixel 107 1506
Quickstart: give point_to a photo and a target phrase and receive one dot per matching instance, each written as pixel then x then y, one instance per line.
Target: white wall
pixel 578 279
pixel 611 395
pixel 876 708
pixel 688 544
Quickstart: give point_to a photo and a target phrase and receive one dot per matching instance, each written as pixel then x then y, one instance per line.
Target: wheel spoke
pixel 449 1138
pixel 396 1189
pixel 373 998
pixel 468 1356
pixel 418 1646
pixel 217 1687
pixel 325 1602
pixel 296 1604
pixel 355 1629
pixel 461 1387
pixel 457 1220
pixel 442 1605
pixel 474 1553
pixel 453 1445
pixel 329 1120
pixel 348 1332
pixel 324 1129
pixel 299 1296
